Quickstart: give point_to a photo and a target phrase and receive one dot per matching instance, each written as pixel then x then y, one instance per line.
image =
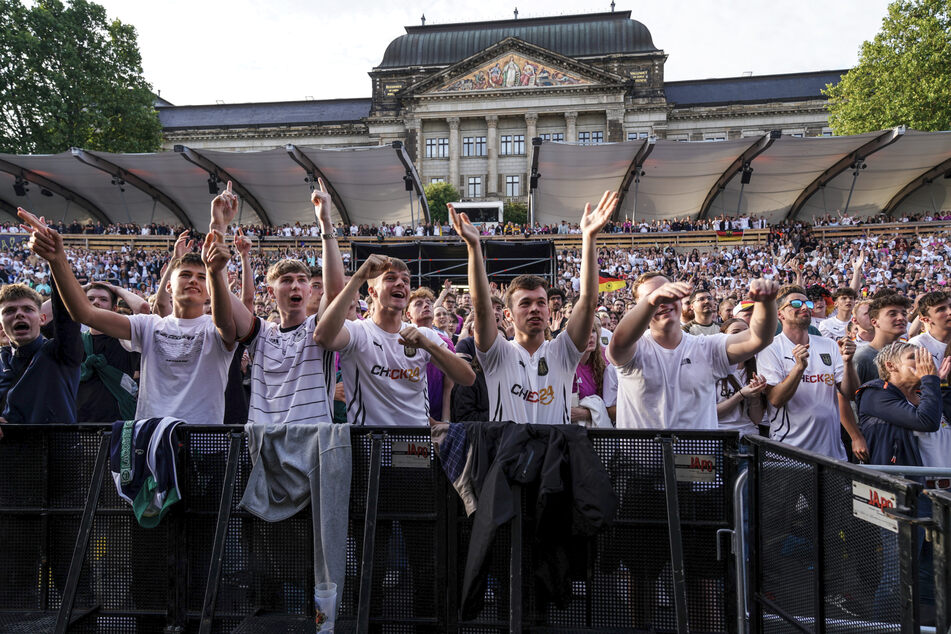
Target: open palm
pixel 593 220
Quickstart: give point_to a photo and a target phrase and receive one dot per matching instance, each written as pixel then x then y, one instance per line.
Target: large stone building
pixel 467 99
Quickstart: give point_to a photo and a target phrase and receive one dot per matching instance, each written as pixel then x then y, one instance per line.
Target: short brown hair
pixel 189 259
pixel 99 286
pixel 524 283
pixel 285 266
pixel 845 291
pixel 786 291
pixel 14 292
pixel 421 292
pixel 892 299
pixel 640 281
pixel 934 298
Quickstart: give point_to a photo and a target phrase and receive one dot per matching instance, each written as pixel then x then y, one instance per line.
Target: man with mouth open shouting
pixel 292 378
pixel 529 378
pixel 384 359
pixel 667 377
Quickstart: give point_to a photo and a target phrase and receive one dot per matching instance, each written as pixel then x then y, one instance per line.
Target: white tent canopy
pixel 899 172
pixel 905 172
pixel 368 185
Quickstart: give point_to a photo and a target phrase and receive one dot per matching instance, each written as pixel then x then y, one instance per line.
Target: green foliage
pixel 70 77
pixel 437 195
pixel 903 76
pixel 515 211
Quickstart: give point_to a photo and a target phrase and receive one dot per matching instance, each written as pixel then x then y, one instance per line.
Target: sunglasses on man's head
pixel 798 303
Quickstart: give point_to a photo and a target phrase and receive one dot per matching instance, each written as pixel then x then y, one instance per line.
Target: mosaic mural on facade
pixel 513 71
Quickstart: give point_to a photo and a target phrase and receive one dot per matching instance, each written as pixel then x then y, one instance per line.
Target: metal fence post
pixel 515 565
pixel 369 534
pixel 221 530
pixel 674 532
pixel 85 530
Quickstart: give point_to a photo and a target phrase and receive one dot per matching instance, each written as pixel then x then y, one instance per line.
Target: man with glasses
pixel 803 374
pixel 704 313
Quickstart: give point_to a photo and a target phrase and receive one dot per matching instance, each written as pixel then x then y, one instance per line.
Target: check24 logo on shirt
pixel 396 374
pixel 545 396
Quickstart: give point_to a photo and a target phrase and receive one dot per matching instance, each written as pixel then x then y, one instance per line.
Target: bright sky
pixel 236 51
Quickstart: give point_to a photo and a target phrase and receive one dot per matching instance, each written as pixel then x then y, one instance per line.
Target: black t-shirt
pixel 94 402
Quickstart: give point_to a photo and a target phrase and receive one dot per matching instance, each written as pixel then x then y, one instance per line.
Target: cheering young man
pixel 529 378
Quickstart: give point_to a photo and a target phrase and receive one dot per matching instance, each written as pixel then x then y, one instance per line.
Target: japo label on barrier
pixel 869 504
pixel 414 455
pixel 695 468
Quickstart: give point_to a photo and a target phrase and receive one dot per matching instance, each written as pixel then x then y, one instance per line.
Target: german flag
pixel 608 284
pixel 730 236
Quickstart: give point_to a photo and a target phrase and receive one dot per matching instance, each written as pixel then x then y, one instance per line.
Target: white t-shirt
pixel 935 347
pixel 833 328
pixel 184 368
pixel 810 419
pixel 737 418
pixel 935 446
pixel 383 385
pixel 519 387
pixel 672 389
pixel 606 337
pixel 289 376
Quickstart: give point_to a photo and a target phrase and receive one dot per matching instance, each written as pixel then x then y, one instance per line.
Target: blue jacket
pixel 39 381
pixel 888 421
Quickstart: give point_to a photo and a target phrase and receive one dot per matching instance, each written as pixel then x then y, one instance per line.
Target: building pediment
pixel 513 65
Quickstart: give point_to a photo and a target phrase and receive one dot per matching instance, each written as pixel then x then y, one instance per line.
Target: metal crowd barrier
pixel 834 545
pixel 73 557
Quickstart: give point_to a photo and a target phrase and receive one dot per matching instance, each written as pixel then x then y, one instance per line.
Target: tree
pixel 70 77
pixel 437 195
pixel 903 76
pixel 515 211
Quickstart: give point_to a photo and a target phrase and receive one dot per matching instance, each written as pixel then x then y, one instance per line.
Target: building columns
pixel 453 150
pixel 531 131
pixel 571 134
pixel 492 152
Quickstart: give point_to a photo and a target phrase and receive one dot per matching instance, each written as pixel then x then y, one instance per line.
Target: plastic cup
pixel 325 604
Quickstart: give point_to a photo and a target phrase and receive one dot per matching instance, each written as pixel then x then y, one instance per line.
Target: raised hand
pixel 373 266
pixel 183 245
pixel 593 221
pixel 846 349
pixel 242 243
pixel 215 253
pixel 945 368
pixel 763 290
pixel 800 355
pixel 924 363
pixel 223 210
pixel 463 226
pixel 321 199
pixel 412 338
pixel 670 292
pixel 756 386
pixel 44 240
pixel 859 261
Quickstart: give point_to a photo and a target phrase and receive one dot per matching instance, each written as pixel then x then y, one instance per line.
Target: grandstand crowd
pixel 776 338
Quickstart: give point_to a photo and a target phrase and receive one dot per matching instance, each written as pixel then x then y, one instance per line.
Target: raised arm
pixel 139 305
pixel 592 222
pixel 452 366
pixel 778 395
pixel 330 333
pixel 48 244
pixel 163 300
pixel 333 275
pixel 858 275
pixel 224 207
pixel 242 244
pixel 743 345
pixel 216 257
pixel 637 320
pixel 486 330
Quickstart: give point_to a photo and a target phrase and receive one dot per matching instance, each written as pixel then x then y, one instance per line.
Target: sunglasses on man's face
pixel 798 303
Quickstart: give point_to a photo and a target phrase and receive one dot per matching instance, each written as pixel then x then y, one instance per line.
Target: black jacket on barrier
pixel 889 422
pixel 563 481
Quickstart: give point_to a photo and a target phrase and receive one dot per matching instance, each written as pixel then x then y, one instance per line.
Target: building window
pixel 513 144
pixel 437 148
pixel 475 187
pixel 635 136
pixel 553 136
pixel 513 186
pixel 715 137
pixel 584 137
pixel 437 179
pixel 473 146
pixel 597 136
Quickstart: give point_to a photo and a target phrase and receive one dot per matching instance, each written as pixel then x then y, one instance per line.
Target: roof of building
pixel 570 35
pixel 762 89
pixel 264 114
